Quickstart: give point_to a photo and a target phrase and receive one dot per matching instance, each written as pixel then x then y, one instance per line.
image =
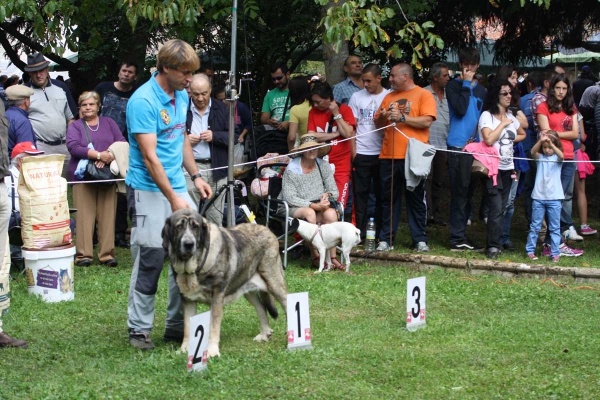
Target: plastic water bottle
pixel 370 239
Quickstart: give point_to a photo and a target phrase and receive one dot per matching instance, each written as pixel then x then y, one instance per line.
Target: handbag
pixel 266 139
pixel 92 172
pixel 333 203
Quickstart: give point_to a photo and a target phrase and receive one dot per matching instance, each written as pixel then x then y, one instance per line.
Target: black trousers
pixel 496 199
pixel 121 215
pixel 436 183
pixel 461 192
pixel 365 175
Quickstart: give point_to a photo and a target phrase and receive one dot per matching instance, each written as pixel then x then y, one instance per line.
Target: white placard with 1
pixel 415 304
pixel 298 319
pixel 197 349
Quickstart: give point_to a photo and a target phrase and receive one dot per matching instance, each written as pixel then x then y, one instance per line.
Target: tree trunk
pixel 334 62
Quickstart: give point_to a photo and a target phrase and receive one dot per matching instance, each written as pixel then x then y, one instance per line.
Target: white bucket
pixel 50 273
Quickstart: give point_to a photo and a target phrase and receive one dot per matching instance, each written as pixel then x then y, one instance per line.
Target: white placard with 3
pixel 415 304
pixel 197 350
pixel 298 317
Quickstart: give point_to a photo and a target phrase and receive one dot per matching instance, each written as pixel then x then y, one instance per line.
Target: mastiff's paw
pixel 184 347
pixel 213 351
pixel 264 337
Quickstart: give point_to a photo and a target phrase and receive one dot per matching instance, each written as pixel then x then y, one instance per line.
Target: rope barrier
pixel 335 142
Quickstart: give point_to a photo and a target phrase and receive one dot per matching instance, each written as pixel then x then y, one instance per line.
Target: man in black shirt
pixel 114 97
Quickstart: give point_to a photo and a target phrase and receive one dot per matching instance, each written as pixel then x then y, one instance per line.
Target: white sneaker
pixel 422 247
pixel 383 246
pixel 469 222
pixel 571 234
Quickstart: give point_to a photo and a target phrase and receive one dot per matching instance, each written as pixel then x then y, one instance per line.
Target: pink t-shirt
pixel 560 122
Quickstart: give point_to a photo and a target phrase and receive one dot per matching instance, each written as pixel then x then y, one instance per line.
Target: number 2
pixel 298 313
pixel 416 313
pixel 196 359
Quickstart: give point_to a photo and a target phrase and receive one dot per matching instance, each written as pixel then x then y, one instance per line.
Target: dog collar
pixel 318 231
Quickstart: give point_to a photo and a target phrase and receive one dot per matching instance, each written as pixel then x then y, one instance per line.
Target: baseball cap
pixel 25 147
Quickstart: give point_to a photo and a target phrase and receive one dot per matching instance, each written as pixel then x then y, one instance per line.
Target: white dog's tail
pixel 357 232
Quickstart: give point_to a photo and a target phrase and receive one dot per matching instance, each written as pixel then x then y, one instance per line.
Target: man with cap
pixel 5 340
pixel 52 108
pixel 19 126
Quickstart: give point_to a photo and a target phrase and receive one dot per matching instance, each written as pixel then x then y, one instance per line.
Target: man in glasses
pixel 276 105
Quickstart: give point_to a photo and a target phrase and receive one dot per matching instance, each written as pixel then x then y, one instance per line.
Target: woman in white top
pixel 499 128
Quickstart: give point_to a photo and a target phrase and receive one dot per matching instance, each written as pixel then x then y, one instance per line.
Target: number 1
pixel 298 312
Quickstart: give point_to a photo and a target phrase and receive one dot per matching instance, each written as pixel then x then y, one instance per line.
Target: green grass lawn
pixel 484 339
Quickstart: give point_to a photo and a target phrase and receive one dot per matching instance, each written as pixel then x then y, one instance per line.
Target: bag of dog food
pixel 4 278
pixel 43 202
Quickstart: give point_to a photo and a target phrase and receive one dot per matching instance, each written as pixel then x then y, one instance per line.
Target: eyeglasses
pixel 505 94
pixel 277 78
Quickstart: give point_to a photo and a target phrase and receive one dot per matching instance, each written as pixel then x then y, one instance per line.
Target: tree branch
pixel 10 51
pixel 304 54
pixel 27 41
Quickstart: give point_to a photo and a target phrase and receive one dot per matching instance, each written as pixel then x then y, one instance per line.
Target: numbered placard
pixel 298 318
pixel 197 350
pixel 415 304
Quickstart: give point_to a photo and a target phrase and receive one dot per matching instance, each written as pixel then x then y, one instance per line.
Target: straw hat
pixel 307 142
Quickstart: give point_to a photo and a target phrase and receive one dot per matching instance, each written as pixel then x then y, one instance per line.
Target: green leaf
pixel 439 43
pixel 427 25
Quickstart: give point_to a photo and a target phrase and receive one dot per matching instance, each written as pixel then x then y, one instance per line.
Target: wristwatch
pixel 196 176
pixel 402 118
pixel 98 156
pixel 339 116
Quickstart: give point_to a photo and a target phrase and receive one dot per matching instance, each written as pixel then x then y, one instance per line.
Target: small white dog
pixel 326 236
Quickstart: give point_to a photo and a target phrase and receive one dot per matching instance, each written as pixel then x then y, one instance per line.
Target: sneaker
pixel 493 253
pixel 546 251
pixel 383 246
pixel 568 251
pixel 465 245
pixel 422 247
pixel 571 234
pixel 172 335
pixel 469 222
pixel 140 340
pixel 509 247
pixel 532 256
pixel 555 259
pixel 587 230
pixel 7 341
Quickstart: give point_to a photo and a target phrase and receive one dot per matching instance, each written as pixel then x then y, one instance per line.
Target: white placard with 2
pixel 198 348
pixel 415 304
pixel 298 318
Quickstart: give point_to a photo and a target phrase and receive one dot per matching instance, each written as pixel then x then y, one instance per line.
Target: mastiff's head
pixel 184 234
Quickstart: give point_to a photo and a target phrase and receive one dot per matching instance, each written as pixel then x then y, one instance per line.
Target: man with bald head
pixel 207 126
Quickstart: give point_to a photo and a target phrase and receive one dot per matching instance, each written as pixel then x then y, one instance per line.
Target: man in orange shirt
pixel 413 109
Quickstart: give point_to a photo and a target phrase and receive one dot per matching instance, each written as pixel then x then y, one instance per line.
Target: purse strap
pixel 287 100
pixel 87 134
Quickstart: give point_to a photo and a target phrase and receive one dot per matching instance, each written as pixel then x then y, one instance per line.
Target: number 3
pixel 416 313
pixel 196 358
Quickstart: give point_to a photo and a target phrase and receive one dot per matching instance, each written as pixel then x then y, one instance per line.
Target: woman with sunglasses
pixel 559 114
pixel 499 128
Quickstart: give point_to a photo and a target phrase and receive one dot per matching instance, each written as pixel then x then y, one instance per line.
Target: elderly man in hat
pixel 52 108
pixel 19 126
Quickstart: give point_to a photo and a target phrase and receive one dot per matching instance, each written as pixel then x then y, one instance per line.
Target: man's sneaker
pixel 555 259
pixel 7 341
pixel 141 340
pixel 568 251
pixel 532 256
pixel 465 245
pixel 509 246
pixel 422 247
pixel 571 234
pixel 492 253
pixel 546 251
pixel 172 335
pixel 383 246
pixel 587 230
pixel 469 222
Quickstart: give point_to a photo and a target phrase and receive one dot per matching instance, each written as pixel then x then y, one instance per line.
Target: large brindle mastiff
pixel 216 266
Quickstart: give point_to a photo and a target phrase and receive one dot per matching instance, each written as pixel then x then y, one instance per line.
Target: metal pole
pixel 232 98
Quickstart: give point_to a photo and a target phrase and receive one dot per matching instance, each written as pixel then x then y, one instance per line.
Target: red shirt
pixel 318 121
pixel 560 122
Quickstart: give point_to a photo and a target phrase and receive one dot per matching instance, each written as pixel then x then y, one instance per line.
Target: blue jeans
pixel 509 210
pixel 552 209
pixel 567 179
pixel 415 203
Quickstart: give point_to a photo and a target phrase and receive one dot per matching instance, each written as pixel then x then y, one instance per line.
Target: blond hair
pixel 88 95
pixel 177 54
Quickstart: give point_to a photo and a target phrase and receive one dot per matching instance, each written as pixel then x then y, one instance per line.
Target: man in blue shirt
pixel 344 90
pixel 19 128
pixel 159 147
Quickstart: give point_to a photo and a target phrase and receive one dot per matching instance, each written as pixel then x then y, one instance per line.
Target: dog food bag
pixel 43 202
pixel 4 284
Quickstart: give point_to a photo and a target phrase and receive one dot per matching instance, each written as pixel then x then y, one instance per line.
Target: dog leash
pixel 315 234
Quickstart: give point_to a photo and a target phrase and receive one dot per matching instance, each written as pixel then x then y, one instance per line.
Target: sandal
pixel 336 264
pixel 315 261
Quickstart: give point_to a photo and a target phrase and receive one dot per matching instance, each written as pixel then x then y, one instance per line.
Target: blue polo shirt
pixel 151 111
